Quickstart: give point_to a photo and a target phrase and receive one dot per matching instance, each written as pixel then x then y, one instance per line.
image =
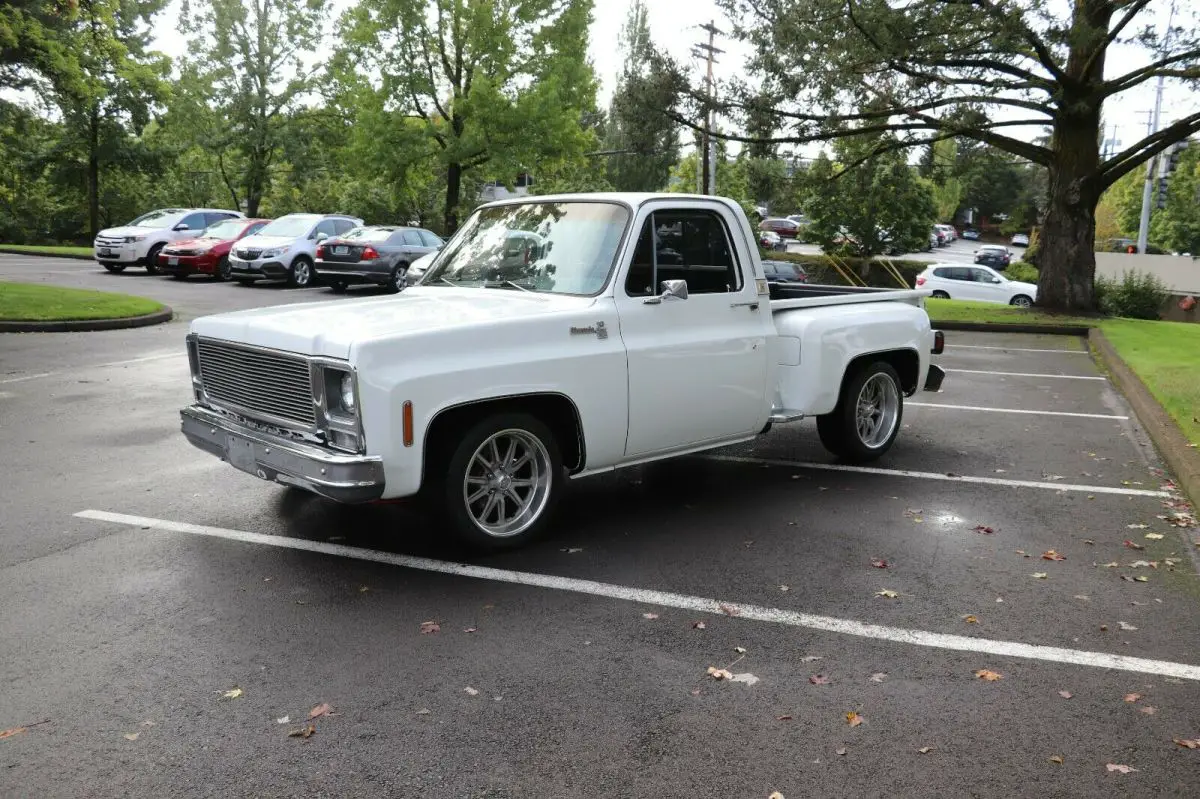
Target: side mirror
pixel 997 280
pixel 671 289
pixel 181 226
pixel 322 236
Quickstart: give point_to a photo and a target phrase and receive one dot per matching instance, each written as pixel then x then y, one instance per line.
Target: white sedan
pixel 977 282
pixel 1020 240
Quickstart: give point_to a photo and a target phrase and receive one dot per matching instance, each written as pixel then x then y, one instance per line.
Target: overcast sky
pixel 674 27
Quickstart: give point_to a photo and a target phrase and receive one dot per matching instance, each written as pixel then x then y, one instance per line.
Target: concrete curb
pixel 164 314
pixel 7 251
pixel 997 327
pixel 1182 460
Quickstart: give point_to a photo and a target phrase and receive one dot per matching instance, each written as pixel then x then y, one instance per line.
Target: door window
pixel 982 276
pixel 327 227
pixel 430 239
pixel 194 221
pixel 683 245
pixel 341 226
pixel 412 239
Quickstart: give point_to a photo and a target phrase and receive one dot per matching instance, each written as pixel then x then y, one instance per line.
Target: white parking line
pixel 950 478
pixel 1010 349
pixel 1024 374
pixel 695 604
pixel 1014 410
pixel 23 378
pixel 83 367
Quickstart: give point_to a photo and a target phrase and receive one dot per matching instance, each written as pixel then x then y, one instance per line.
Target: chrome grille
pixel 259 383
pixel 248 254
pixel 109 241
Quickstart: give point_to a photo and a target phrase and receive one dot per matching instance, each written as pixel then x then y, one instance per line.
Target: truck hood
pixel 330 329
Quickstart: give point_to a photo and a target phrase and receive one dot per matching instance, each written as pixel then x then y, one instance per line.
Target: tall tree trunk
pixel 1066 256
pixel 93 172
pixel 453 190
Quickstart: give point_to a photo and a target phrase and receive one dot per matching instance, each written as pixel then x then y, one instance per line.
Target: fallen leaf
pixel 1083 597
pixel 853 719
pixel 362 589
pixel 651 616
pixel 728 610
pixel 785 588
pixel 970 620
pixel 471 691
pixel 283 720
pixel 1189 743
pixel 1104 627
pixel 1154 536
pixel 926 749
pixel 11 732
pixel 470 629
pixel 1121 768
pixel 323 709
pixel 879 563
pixel 1140 564
pixel 745 677
pixel 1132 697
pixel 775 795
pixel 1065 694
pixel 810 658
pixel 698 625
pixel 819 679
pixel 430 627
pixel 1089 542
pixel 147 723
pixel 1124 625
pixel 572 550
pixel 1039 575
pixel 1133 544
pixel 990 676
pixel 1050 554
pixel 841 750
pixel 132 736
pixel 719 674
pixel 303 732
pixel 741 650
pixel 879 676
pixel 695 692
pixel 1137 526
pixel 1110 565
pixel 783 718
pixel 983 528
pixel 1141 579
pixel 887 593
pixel 424 711
pixel 232 693
pixel 1149 710
pixel 1056 759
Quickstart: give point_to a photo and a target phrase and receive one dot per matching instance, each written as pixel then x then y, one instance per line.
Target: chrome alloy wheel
pixel 301 273
pixel 878 410
pixel 507 483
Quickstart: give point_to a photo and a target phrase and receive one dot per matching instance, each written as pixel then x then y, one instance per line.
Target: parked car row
pixel 298 249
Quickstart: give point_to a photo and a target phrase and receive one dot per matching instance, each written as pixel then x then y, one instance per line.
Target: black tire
pixel 941 295
pixel 222 272
pixel 116 269
pixel 839 430
pixel 178 276
pixel 1021 301
pixel 241 281
pixel 449 470
pixel 152 260
pixel 399 278
pixel 300 273
pixel 338 286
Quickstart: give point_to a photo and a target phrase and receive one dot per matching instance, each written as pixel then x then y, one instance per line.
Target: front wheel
pixel 867 418
pixel 223 270
pixel 502 482
pixel 1021 301
pixel 152 260
pixel 116 269
pixel 300 274
pixel 940 295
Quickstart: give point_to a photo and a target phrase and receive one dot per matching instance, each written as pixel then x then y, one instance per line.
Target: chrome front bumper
pixel 338 476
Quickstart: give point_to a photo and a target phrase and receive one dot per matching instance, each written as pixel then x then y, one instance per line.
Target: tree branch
pixel 1131 79
pixel 1130 158
pixel 1135 7
pixel 1044 56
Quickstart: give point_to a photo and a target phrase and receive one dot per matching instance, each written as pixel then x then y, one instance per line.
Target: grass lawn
pixel 967 311
pixel 27 302
pixel 1166 356
pixel 37 249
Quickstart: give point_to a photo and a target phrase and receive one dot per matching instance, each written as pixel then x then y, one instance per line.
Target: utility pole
pixel 708 163
pixel 1148 189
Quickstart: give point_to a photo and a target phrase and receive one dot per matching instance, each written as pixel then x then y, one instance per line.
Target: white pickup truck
pixel 619 329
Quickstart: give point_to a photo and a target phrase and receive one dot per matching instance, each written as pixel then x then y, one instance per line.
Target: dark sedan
pixel 784 272
pixel 378 254
pixel 993 255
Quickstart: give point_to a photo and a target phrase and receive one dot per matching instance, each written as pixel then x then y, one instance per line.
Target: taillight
pixel 369 254
pixel 920 281
pixel 939 342
pixel 320 250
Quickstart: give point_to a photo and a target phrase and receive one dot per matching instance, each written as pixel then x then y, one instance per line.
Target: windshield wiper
pixel 448 281
pixel 515 285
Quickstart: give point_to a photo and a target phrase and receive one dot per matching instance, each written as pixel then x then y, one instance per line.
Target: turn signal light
pixel 406 421
pixel 369 254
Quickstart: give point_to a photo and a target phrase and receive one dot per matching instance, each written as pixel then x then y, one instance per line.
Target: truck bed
pixel 785 296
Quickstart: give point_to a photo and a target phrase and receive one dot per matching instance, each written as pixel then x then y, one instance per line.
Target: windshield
pixel 555 247
pixel 369 234
pixel 226 229
pixel 290 226
pixel 159 219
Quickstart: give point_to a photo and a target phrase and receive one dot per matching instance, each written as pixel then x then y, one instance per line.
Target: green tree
pixel 869 202
pixel 34 41
pixel 1176 227
pixel 1042 65
pixel 250 63
pixel 504 85
pixel 947 187
pixel 640 141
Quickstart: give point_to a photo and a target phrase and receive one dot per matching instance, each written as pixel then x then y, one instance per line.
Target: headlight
pixel 347 392
pixel 133 239
pixel 275 253
pixel 340 395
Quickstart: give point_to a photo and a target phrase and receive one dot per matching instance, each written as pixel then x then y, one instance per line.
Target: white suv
pixel 976 283
pixel 286 248
pixel 138 243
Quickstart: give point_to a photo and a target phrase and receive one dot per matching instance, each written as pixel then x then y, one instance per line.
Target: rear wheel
pixel 116 269
pixel 300 275
pixel 399 278
pixel 152 260
pixel 941 295
pixel 1021 301
pixel 501 481
pixel 867 418
pixel 338 286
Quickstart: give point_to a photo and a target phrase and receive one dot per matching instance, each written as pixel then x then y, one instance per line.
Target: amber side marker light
pixel 407 422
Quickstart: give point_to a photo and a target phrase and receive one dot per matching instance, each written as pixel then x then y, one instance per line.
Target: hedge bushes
pixel 1022 271
pixel 820 270
pixel 1137 295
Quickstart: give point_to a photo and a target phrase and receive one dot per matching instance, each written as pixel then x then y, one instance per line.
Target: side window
pixel 341 226
pixel 194 221
pixel 959 273
pixel 981 276
pixel 412 239
pixel 430 239
pixel 257 226
pixel 768 268
pixel 327 227
pixel 213 218
pixel 683 245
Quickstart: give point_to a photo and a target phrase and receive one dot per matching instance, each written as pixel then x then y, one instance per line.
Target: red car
pixel 786 228
pixel 208 253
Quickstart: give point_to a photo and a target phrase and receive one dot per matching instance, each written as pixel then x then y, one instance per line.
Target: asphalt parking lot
pixel 172 620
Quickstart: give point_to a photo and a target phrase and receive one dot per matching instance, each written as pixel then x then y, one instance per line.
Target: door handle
pixel 751 305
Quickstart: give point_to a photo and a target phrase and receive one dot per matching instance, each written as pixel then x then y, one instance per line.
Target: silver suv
pixel 286 248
